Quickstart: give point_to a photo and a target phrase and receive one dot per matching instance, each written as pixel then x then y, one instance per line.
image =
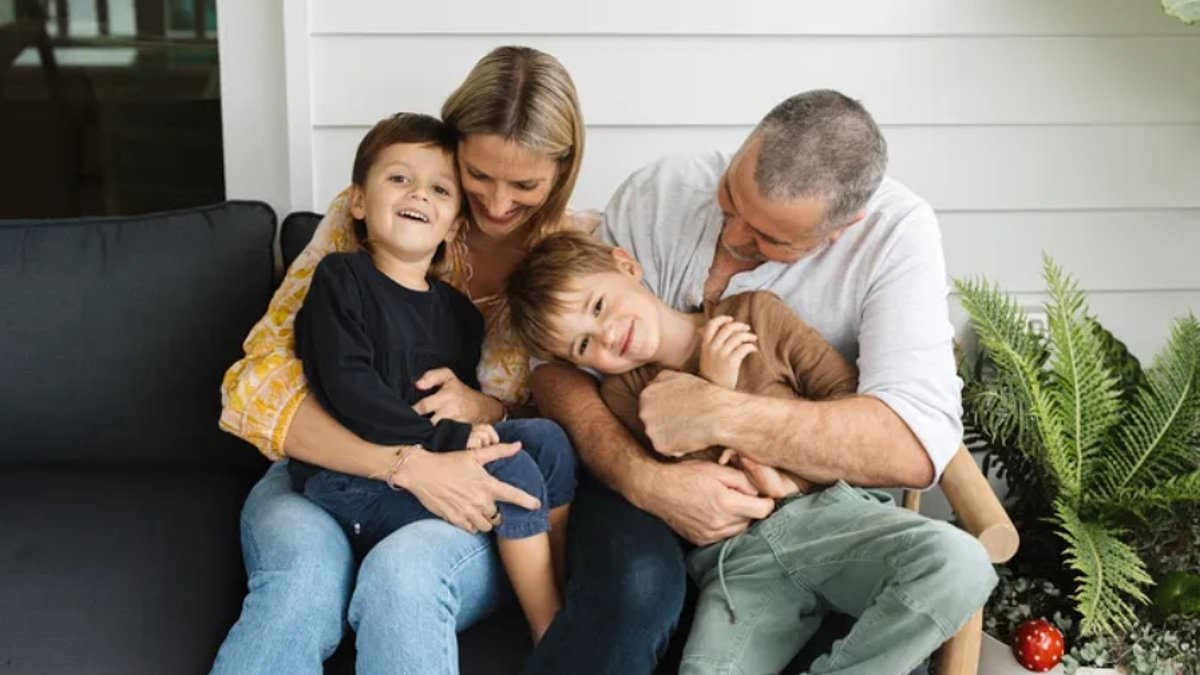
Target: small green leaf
pixel 1187 11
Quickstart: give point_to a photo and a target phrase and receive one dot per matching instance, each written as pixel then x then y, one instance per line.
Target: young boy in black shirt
pixel 375 320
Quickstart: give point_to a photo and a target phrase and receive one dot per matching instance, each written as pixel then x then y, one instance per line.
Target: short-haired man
pixel 803 210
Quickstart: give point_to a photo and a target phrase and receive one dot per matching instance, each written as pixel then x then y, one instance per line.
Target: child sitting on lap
pixel 375 320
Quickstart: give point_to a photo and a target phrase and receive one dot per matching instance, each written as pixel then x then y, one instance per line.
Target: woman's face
pixel 505 184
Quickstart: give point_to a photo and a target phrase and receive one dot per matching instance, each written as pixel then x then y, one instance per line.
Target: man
pixel 803 210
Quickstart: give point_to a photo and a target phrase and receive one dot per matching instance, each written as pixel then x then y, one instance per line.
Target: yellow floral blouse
pixel 261 392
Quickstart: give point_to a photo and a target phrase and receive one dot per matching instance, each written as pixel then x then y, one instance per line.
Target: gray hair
pixel 821 144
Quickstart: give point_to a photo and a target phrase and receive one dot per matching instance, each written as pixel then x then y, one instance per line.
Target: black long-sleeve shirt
pixel 365 340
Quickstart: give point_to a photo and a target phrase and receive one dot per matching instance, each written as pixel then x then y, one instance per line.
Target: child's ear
pixel 626 264
pixel 358 203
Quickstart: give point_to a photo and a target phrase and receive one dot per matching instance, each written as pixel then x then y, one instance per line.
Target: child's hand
pixel 482 435
pixel 724 345
pixel 769 481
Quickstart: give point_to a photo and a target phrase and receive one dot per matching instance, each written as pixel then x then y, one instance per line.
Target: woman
pixel 518 118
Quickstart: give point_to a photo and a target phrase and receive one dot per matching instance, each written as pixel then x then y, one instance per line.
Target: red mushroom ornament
pixel 1038 645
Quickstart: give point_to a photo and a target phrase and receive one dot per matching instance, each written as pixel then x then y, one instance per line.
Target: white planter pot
pixel 995 658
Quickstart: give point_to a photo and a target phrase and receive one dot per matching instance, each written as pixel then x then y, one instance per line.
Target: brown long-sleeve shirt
pixel 792 361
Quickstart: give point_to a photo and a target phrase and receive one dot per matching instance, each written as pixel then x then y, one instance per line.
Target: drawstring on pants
pixel 726 546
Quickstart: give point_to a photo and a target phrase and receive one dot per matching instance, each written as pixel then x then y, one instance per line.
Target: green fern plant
pixel 1105 446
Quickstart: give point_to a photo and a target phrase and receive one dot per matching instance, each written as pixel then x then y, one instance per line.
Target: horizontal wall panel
pixel 1141 320
pixel 612 154
pixel 955 168
pixel 1103 250
pixel 774 17
pixel 698 80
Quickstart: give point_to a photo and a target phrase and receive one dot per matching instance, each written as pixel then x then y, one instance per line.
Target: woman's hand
pixel 455 487
pixel 455 400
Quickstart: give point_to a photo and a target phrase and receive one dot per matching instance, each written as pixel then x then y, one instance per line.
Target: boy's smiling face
pixel 611 322
pixel 410 199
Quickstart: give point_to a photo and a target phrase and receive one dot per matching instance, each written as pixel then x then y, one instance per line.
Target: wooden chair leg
pixel 960 654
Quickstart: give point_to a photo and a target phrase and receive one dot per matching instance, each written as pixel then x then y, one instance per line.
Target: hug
pixel 658 429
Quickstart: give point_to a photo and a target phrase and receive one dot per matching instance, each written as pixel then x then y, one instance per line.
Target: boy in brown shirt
pixel 762 592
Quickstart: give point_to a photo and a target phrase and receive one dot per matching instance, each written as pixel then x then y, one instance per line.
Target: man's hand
pixel 723 346
pixel 705 502
pixel 681 413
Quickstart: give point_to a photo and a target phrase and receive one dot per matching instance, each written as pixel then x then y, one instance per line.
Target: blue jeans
pixel 369 510
pixel 303 589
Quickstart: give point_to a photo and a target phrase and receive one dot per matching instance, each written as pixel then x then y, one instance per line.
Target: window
pixel 108 107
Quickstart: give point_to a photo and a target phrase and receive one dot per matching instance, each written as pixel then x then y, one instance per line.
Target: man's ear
pixel 837 234
pixel 358 203
pixel 626 264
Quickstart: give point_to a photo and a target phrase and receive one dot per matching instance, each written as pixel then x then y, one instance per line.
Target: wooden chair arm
pixel 977 507
pixel 960 655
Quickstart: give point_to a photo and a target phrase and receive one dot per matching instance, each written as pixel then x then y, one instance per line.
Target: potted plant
pixel 1102 463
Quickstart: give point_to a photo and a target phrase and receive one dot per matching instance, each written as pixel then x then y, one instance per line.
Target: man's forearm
pixel 571 398
pixel 858 439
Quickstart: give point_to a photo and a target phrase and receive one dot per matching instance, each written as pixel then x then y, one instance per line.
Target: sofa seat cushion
pixel 118 570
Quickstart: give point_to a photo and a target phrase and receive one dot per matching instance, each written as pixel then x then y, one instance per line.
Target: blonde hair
pixel 526 96
pixel 536 287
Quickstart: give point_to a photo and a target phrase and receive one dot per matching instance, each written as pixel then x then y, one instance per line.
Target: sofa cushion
pixel 117 331
pixel 294 234
pixel 118 570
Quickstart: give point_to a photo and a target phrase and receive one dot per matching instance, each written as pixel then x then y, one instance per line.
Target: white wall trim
pixel 253 117
pixel 297 50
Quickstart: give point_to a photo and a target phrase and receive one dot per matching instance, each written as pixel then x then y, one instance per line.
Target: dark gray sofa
pixel 119 496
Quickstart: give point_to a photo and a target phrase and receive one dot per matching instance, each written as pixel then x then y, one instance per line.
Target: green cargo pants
pixel 911 583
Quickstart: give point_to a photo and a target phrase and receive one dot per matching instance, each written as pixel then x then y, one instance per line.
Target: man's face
pixel 757 229
pixel 612 323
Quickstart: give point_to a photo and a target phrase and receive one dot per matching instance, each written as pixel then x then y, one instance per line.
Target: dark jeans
pixel 368 510
pixel 625 589
pixel 626 594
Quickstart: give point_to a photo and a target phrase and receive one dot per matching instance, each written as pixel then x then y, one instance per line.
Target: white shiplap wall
pixel 1071 127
